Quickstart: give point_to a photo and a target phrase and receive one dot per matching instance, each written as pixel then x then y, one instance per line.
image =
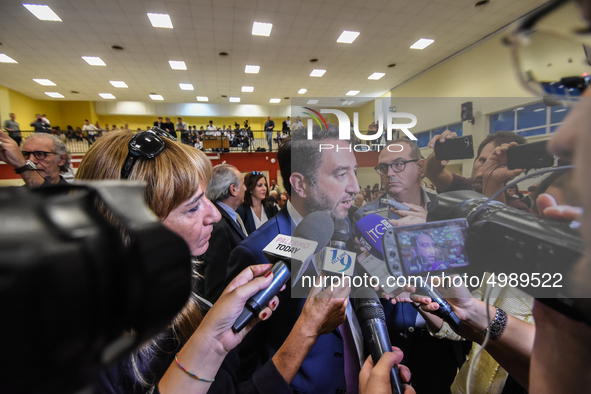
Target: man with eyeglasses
pixel 400 166
pixel 42 159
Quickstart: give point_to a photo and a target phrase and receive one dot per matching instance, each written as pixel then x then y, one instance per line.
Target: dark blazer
pixel 169 126
pixel 246 215
pixel 159 124
pixel 226 235
pixel 323 369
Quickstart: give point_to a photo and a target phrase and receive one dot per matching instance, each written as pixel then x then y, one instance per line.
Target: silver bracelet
pixel 497 326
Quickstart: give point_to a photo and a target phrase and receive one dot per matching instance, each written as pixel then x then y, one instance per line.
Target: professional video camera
pixel 74 292
pixel 505 240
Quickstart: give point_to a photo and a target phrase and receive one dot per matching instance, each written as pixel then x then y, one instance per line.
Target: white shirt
pixel 258 223
pixel 212 127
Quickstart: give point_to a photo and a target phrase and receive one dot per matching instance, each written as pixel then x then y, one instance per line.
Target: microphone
pixel 369 231
pixel 445 310
pixel 371 317
pixel 335 258
pixel 310 236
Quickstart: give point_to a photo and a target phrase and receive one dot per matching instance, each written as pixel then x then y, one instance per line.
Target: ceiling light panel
pixel 94 60
pixel 43 12
pixel 312 102
pixel 107 96
pixel 186 86
pixel 160 20
pixel 422 43
pixel 44 82
pixel 248 89
pixel 54 94
pixel 156 97
pixel 275 101
pixel 302 91
pixel 252 69
pixel 202 98
pixel 118 84
pixel 376 76
pixel 261 29
pixel 317 73
pixel 347 37
pixel 234 99
pixel 6 59
pixel 352 92
pixel 177 65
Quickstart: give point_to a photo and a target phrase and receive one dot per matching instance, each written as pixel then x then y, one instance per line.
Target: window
pixel 426 136
pixel 529 120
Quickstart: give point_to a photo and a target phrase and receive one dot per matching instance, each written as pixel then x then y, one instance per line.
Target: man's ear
pixel 62 160
pixel 299 185
pixel 421 165
pixel 233 190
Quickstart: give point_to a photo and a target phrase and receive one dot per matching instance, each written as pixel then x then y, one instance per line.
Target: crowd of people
pixel 315 344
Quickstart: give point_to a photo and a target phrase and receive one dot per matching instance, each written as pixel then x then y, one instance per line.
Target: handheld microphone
pixel 335 258
pixel 369 231
pixel 445 310
pixel 310 236
pixel 371 317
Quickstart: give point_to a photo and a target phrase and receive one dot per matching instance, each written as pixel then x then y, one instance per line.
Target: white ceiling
pixel 302 30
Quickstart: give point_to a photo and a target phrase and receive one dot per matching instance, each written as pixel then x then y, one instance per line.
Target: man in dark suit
pixel 159 123
pixel 226 191
pixel 169 126
pixel 324 181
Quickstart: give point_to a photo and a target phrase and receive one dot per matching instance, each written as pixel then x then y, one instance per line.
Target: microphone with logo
pixel 335 259
pixel 371 317
pixel 288 254
pixel 370 231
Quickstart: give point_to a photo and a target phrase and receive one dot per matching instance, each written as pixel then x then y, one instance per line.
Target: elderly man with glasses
pixel 400 166
pixel 42 159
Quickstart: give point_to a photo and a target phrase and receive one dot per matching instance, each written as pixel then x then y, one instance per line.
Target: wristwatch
pixel 29 166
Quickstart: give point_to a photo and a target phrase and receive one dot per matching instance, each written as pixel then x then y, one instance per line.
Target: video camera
pixel 74 292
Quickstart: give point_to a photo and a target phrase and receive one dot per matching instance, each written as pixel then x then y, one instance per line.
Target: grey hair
pixel 60 149
pixel 222 177
pixel 415 151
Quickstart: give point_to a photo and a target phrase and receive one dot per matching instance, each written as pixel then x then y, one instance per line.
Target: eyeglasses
pixel 39 154
pixel 551 52
pixel 144 144
pixel 162 133
pixel 396 166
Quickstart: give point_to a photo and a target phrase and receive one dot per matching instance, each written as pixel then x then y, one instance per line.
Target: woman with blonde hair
pixel 187 357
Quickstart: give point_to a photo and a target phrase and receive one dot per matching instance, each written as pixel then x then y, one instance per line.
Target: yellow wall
pixel 25 109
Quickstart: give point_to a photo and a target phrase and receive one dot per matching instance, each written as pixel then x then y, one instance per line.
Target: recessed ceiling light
pixel 202 98
pixel 317 73
pixel 350 102
pixel 261 29
pixel 177 65
pixel 347 37
pixel 223 54
pixel 252 69
pixel 118 84
pixel 302 91
pixel 6 59
pixel 391 65
pixel 44 82
pixel 94 60
pixel 107 96
pixel 117 47
pixel 160 20
pixel 352 92
pixel 234 99
pixel 312 102
pixel 186 86
pixel 248 89
pixel 156 97
pixel 42 12
pixel 275 100
pixel 422 43
pixel 54 94
pixel 376 76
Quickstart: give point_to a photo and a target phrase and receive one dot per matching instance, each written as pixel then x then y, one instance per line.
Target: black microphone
pixel 309 237
pixel 371 317
pixel 335 258
pixel 445 310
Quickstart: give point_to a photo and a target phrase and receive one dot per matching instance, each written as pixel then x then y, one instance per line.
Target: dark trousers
pixel 17 139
